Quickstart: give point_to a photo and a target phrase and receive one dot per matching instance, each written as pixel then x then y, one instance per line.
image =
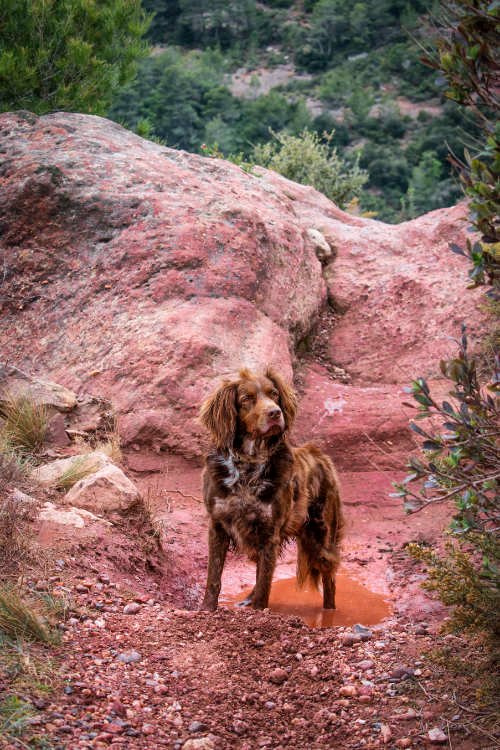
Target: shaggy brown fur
pixel 260 491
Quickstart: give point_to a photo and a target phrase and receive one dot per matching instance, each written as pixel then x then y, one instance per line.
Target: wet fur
pixel 260 491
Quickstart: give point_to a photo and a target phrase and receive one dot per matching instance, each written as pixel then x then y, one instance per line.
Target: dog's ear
pixel 219 415
pixel 287 397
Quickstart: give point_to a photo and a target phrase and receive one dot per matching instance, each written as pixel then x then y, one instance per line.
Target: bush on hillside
pixel 461 460
pixel 311 161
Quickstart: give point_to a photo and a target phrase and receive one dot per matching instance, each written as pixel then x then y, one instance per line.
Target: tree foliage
pixel 462 459
pixel 68 54
pixel 467 53
pixel 307 159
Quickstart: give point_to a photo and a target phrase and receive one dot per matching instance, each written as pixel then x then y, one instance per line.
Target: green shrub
pixel 310 161
pixel 461 461
pixel 68 54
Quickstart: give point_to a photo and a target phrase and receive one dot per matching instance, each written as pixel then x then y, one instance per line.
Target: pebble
pixel 401 673
pixel 348 691
pixel 131 609
pixel 403 742
pixel 239 727
pixel 200 743
pixel 386 734
pixel 365 665
pixel 437 736
pixel 278 676
pixel 197 726
pixel 129 657
pixel 362 631
pixel 349 639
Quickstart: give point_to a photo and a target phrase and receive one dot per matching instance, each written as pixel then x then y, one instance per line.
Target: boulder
pixel 146 274
pixel 51 474
pixel 106 491
pixel 42 392
pixel 77 517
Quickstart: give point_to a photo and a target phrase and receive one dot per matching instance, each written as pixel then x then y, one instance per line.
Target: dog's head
pixel 254 406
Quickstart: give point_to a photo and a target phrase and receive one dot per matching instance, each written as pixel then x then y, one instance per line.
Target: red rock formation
pixel 144 274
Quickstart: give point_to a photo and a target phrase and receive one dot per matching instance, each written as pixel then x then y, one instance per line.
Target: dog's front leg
pixel 266 562
pixel 218 543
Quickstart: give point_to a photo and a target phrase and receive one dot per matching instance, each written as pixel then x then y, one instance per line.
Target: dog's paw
pixel 245 603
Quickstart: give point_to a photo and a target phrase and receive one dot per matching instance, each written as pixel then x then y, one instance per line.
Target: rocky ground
pixel 139 667
pixel 138 276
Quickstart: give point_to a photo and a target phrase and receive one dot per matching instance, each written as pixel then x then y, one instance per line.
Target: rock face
pixel 42 392
pixel 144 274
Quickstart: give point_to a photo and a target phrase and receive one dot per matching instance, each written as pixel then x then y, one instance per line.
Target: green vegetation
pixel 308 160
pixel 24 423
pixel 68 54
pixel 15 716
pixel 364 79
pixel 462 459
pixel 19 620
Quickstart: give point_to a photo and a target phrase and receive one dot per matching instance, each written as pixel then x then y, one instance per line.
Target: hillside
pixel 228 74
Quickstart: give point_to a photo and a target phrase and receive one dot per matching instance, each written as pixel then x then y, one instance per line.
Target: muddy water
pixel 355 603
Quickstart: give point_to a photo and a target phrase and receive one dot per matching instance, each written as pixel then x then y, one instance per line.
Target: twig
pixel 183 494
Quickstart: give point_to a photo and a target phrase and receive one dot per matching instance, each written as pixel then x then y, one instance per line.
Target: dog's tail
pixel 318 544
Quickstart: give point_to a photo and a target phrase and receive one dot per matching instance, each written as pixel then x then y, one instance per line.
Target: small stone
pixel 81 589
pixel 437 736
pixel 401 673
pixel 365 665
pixel 129 657
pixel 131 609
pixel 362 631
pixel 348 691
pixel 408 715
pixel 385 733
pixel 270 704
pixel 349 639
pixel 278 676
pixel 403 742
pixel 200 743
pixel 313 670
pixel 197 726
pixel 240 727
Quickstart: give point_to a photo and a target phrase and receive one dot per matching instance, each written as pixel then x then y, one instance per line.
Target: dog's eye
pixel 245 399
pixel 274 394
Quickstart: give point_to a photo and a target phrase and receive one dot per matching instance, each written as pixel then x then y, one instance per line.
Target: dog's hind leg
pixel 218 544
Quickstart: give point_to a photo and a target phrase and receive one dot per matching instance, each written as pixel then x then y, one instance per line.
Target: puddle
pixel 355 603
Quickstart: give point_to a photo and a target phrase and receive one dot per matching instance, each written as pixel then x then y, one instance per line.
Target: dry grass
pixel 16 515
pixel 111 447
pixel 19 620
pixel 79 469
pixel 25 423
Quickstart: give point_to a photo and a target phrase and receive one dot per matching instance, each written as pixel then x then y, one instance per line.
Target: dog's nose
pixel 274 413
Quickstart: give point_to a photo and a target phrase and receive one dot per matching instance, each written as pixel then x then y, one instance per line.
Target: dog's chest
pixel 244 503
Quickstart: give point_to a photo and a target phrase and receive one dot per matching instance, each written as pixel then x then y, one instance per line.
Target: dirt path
pixel 141 669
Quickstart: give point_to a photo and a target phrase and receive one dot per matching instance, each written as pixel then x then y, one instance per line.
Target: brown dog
pixel 260 491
